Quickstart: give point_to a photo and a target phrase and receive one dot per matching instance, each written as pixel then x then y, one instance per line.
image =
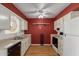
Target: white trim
pixel 39 44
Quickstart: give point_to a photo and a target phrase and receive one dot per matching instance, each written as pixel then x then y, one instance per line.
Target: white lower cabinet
pixel 60 45
pixel 25 44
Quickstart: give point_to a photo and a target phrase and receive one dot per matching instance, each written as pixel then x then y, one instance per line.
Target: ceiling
pixel 41 10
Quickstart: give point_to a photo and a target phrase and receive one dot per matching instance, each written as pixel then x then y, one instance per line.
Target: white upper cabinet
pixel 24 24
pixel 74 23
pixel 71 15
pixel 68 23
pixel 14 24
pixel 67 19
pixel 59 24
pixel 4 18
pixel 11 22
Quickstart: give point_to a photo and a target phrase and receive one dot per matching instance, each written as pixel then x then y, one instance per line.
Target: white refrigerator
pixel 71 37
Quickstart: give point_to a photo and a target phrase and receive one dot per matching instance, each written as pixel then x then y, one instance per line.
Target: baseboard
pixel 39 44
pixel 47 44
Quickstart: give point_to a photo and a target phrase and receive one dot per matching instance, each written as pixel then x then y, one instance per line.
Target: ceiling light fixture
pixel 40 16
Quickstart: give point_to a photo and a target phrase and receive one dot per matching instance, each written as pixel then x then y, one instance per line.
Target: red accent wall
pixel 70 8
pixel 35 30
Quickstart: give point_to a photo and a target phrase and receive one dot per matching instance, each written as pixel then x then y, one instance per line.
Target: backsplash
pixel 7 36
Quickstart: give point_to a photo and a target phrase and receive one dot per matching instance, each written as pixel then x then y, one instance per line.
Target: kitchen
pixel 25 27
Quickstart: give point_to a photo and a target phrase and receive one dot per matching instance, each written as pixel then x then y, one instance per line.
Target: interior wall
pixel 36 30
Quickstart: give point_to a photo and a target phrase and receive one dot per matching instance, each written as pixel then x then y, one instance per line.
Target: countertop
pixel 4 44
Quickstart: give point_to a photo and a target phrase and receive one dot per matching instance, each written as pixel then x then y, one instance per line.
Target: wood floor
pixel 41 51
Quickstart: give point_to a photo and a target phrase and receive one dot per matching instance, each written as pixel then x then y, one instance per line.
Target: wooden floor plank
pixel 41 51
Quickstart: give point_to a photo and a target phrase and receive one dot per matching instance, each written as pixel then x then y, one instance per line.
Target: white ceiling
pixel 41 10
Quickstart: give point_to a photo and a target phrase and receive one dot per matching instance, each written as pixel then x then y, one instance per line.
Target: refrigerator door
pixel 71 45
pixel 74 26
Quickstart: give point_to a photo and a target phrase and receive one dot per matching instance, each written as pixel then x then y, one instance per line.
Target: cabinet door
pixel 56 24
pixel 4 18
pixel 67 19
pixel 23 47
pixel 60 45
pixel 14 25
pixel 61 24
pixel 24 24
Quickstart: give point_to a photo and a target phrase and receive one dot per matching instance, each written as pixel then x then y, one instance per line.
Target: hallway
pixel 40 51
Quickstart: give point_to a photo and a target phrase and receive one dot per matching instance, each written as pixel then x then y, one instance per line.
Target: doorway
pixel 42 39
